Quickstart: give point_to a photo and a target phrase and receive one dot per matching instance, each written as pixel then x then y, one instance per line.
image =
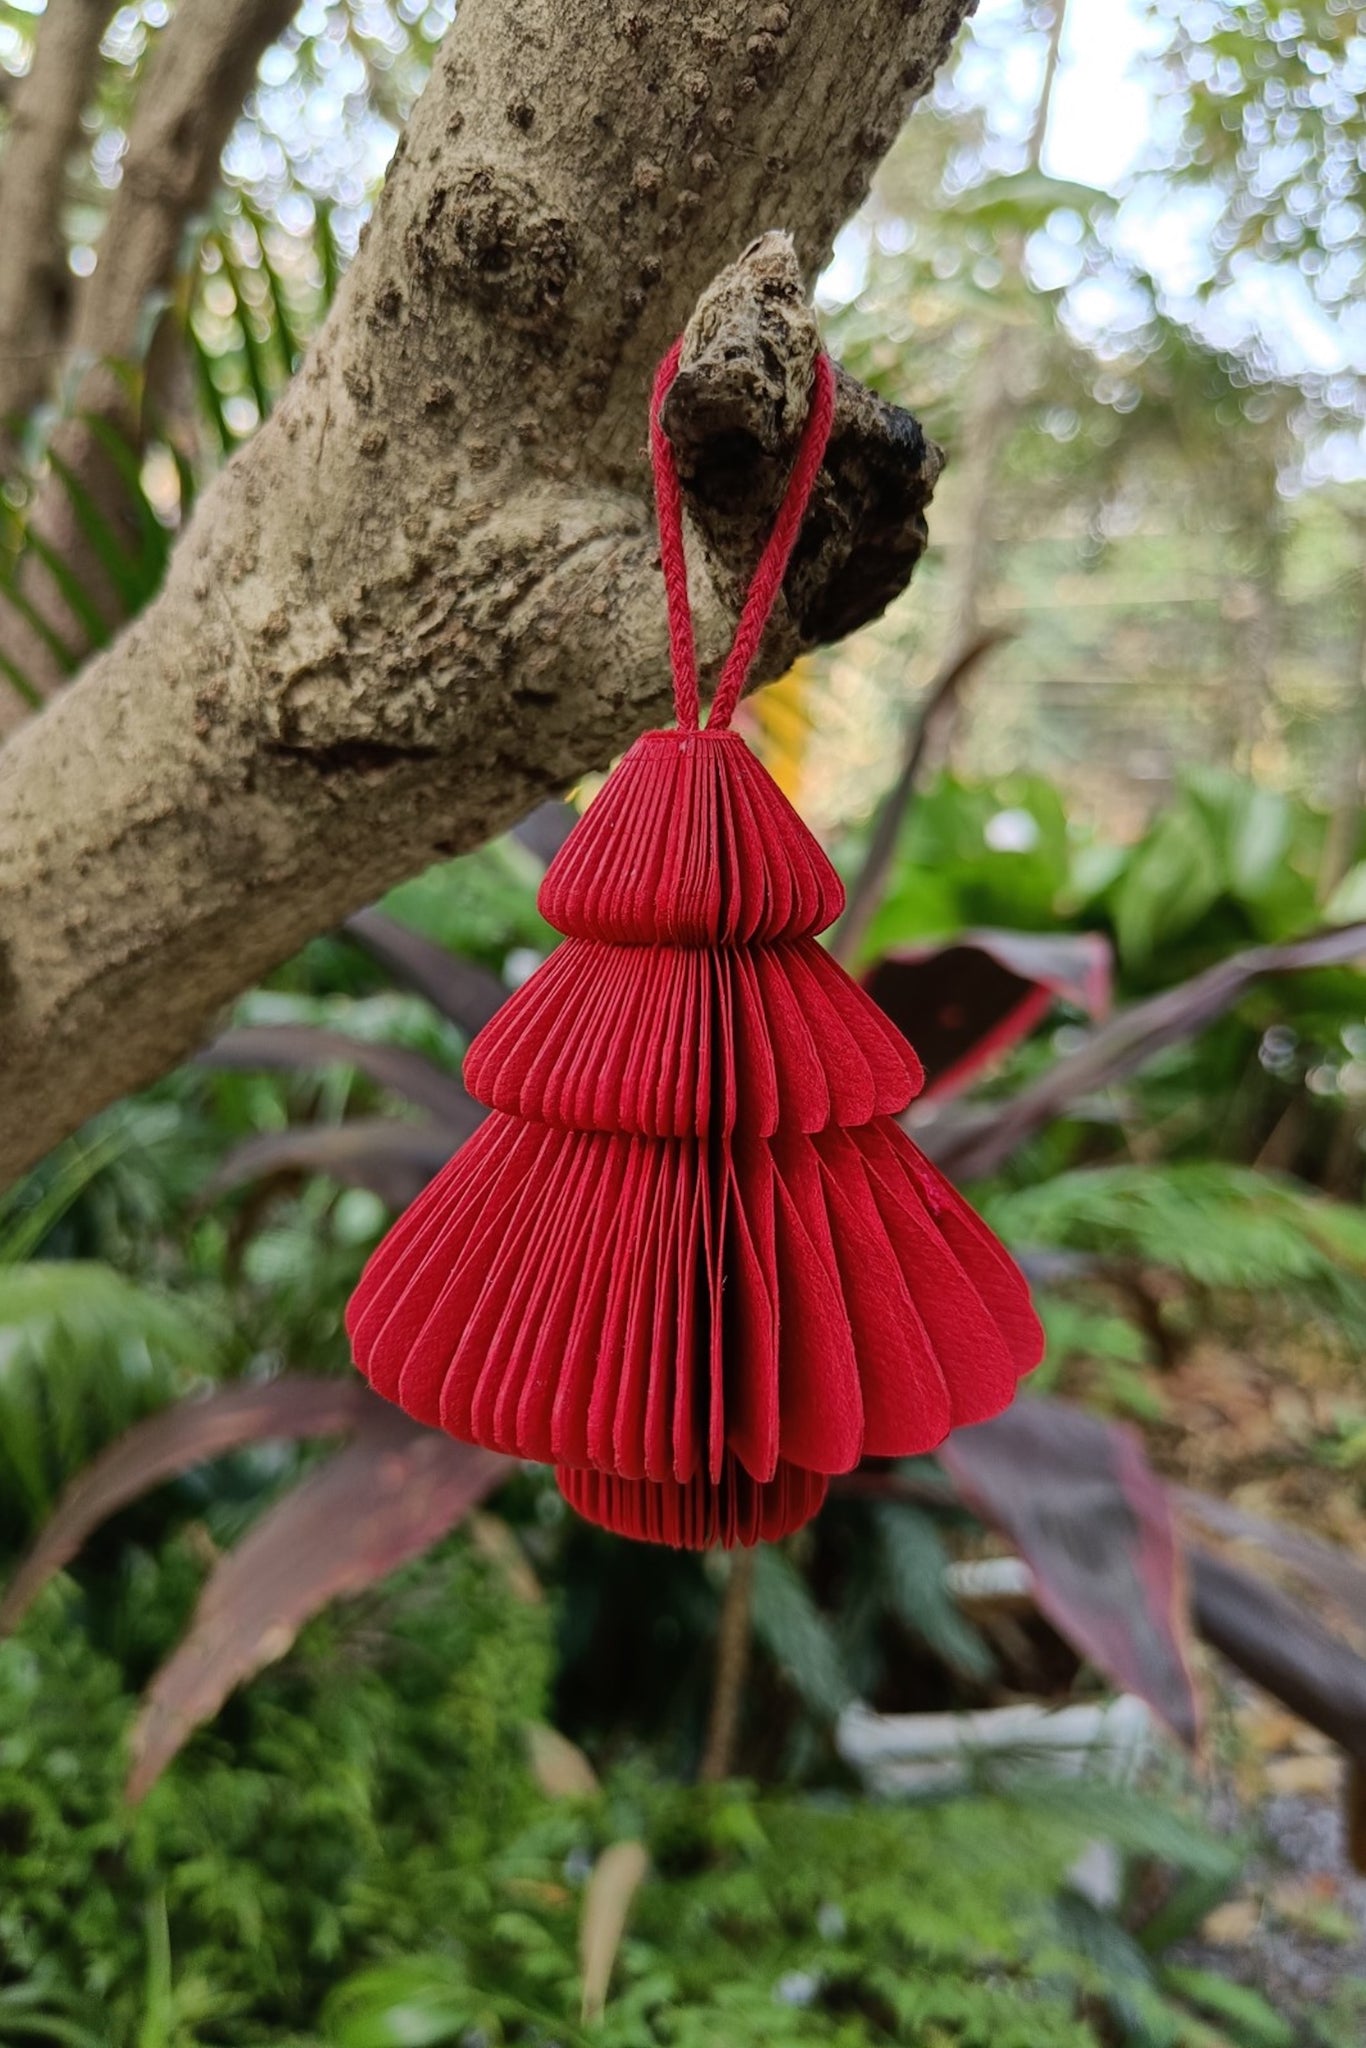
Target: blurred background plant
pixel 1130 689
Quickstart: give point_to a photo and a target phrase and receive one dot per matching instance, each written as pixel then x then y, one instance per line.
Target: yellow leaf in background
pixel 1233 1924
pixel 617 1877
pixel 781 716
pixel 558 1765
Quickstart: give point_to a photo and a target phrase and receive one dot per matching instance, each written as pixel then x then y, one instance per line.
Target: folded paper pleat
pixel 594 1298
pixel 690 843
pixel 679 1041
pixel 734 1511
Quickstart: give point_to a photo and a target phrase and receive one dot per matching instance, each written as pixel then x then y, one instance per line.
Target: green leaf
pixel 253 357
pixel 1173 878
pixel 210 396
pixel 84 1352
pixel 1243 2011
pixel 25 1222
pixel 156 541
pixel 1262 826
pixel 796 1634
pixel 65 659
pixel 915 1562
pixel 329 255
pixel 1348 901
pixel 124 574
pixel 1222 1226
pixel 290 345
pixel 78 600
pixel 416 2003
pixel 20 682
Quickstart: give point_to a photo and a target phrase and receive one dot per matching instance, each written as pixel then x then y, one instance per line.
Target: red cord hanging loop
pixel 768 577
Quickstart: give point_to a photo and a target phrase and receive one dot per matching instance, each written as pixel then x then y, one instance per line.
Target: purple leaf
pixel 394 1160
pixel 389 1495
pixel 172 1443
pixel 464 992
pixel 544 830
pixel 1282 1647
pixel 1083 1507
pixel 305 1047
pixel 1326 1573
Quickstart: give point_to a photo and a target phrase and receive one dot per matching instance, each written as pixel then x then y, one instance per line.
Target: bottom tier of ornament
pixel 647 1307
pixel 731 1512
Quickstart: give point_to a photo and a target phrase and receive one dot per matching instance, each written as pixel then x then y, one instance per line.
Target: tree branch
pixel 870 882
pixel 35 283
pixel 426 594
pixel 732 1666
pixel 202 67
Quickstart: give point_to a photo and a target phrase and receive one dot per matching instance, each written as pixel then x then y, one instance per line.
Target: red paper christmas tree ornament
pixel 690 1258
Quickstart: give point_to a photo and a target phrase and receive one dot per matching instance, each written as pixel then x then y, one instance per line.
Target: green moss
pixel 341 1808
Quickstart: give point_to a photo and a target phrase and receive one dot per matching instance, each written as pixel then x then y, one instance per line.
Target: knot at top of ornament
pixel 691 843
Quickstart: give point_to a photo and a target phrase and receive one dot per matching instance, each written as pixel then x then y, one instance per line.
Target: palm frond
pixel 84 1353
pixel 1217 1225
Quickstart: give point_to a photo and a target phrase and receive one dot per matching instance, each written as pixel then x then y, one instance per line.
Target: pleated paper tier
pixel 677 1041
pixel 644 1306
pixel 690 842
pixel 701 1515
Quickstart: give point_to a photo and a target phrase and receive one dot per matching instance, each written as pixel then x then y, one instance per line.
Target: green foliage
pixel 252 299
pixel 1244 2011
pixel 796 1634
pixel 915 1561
pixel 949 875
pixel 352 1853
pixel 1115 1350
pixel 481 905
pixel 1245 78
pixel 131 545
pixel 1219 1226
pixel 257 295
pixel 781 1922
pixel 84 1353
pixel 1225 862
pixel 346 1807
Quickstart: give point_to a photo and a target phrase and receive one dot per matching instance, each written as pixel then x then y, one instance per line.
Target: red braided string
pixel 669 510
pixel 768 577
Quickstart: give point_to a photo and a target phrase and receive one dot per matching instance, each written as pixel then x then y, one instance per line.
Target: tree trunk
pixel 426 593
pixel 203 63
pixel 35 283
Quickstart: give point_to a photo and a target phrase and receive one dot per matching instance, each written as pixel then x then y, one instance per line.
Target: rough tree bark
pixel 35 283
pixel 202 66
pixel 425 594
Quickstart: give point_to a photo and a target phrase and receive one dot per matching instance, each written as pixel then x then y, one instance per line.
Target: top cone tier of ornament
pixel 690 1257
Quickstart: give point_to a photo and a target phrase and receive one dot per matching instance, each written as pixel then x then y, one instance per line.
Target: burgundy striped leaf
pixel 964 1005
pixel 971 1142
pixel 174 1442
pixel 394 1160
pixel 389 1495
pixel 1083 1507
pixel 305 1047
